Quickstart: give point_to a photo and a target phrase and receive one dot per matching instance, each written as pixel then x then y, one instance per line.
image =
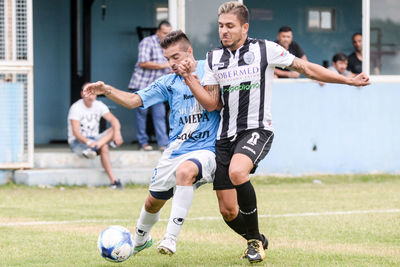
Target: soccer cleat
pixel 255 251
pixel 146 244
pixel 167 246
pixel 264 241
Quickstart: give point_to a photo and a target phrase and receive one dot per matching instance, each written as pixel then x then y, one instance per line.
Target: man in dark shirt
pixel 355 58
pixel 285 39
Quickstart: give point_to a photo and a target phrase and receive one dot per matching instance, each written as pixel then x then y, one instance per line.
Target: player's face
pixel 231 32
pixel 357 43
pixel 340 66
pixel 285 39
pixel 164 30
pixel 175 54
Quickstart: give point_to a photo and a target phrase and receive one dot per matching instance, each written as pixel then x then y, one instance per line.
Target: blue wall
pixel 114 49
pixel 114 54
pixel 51 46
pixel 354 130
pixel 318 46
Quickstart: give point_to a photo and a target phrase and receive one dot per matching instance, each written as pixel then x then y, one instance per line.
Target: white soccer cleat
pixel 167 246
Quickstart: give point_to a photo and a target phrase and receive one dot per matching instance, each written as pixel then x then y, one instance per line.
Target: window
pixel 385 37
pixel 321 19
pixel 161 14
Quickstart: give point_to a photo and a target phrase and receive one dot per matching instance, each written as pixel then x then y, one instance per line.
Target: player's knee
pixel 151 206
pixel 237 175
pixel 184 176
pixel 228 213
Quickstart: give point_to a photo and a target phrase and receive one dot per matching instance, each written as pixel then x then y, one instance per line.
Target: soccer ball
pixel 115 243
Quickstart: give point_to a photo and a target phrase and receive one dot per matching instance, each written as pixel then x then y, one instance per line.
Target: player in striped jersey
pixel 240 73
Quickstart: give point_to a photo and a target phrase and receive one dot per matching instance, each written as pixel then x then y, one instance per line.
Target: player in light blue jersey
pixel 189 159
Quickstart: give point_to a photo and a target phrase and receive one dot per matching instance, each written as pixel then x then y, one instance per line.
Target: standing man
pixel 189 159
pixel 83 133
pixel 285 39
pixel 242 71
pixel 150 66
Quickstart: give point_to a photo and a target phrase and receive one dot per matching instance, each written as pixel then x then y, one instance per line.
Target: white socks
pixel 144 225
pixel 181 203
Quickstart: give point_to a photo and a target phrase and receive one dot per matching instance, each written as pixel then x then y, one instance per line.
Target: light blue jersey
pixel 191 126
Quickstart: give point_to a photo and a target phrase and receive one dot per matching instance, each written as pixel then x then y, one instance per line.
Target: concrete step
pixel 119 159
pixel 81 176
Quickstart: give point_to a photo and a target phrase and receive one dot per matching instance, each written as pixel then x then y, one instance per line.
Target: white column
pixel 366 36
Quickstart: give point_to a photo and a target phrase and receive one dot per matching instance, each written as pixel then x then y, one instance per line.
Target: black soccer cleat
pixel 255 251
pixel 264 241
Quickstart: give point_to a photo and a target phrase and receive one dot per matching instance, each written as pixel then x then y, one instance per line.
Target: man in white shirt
pixel 83 133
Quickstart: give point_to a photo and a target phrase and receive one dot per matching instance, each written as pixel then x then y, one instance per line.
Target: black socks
pixel 248 210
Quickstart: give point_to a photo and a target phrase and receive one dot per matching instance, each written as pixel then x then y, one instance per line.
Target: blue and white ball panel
pixel 164 176
pixel 115 243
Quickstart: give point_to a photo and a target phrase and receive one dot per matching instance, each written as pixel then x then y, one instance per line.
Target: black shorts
pixel 254 143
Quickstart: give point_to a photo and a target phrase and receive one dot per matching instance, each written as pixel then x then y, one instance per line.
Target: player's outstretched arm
pixel 122 98
pixel 207 96
pixel 319 73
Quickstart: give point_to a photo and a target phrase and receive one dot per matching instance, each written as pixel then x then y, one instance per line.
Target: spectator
pixel 83 133
pixel 285 39
pixel 355 58
pixel 151 65
pixel 339 64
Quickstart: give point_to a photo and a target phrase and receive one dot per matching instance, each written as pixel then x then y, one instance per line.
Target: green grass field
pixel 296 214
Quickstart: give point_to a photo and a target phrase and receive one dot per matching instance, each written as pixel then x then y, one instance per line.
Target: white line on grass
pixel 350 212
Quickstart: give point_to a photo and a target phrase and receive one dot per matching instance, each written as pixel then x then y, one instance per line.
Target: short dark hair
pixel 355 34
pixel 285 29
pixel 173 38
pixel 163 23
pixel 339 57
pixel 236 8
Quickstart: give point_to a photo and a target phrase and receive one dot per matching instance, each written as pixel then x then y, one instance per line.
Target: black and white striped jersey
pixel 245 79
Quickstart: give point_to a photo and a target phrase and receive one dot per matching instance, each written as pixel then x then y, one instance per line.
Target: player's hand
pixel 361 79
pixel 185 67
pixel 97 88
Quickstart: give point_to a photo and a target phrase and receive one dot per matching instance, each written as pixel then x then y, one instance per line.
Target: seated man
pixel 189 159
pixel 83 133
pixel 339 65
pixel 285 39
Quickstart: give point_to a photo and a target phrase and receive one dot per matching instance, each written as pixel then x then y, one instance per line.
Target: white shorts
pixel 164 176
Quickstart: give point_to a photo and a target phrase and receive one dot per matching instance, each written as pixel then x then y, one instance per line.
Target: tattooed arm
pixel 317 72
pixel 207 96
